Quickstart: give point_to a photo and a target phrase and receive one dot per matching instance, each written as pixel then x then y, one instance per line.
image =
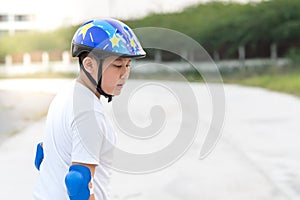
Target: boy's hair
pixel 82 56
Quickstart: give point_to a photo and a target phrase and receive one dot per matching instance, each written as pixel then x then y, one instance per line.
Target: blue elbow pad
pixel 39 156
pixel 77 182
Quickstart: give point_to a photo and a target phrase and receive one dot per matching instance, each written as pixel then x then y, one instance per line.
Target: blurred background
pixel 255 45
pixel 245 38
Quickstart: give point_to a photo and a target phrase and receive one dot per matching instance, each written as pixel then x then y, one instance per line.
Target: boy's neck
pixel 87 83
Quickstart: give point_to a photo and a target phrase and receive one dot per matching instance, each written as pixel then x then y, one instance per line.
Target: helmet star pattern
pixel 132 43
pixel 108 35
pixel 85 29
pixel 114 40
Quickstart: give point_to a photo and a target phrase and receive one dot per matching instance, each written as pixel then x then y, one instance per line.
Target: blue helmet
pixel 106 37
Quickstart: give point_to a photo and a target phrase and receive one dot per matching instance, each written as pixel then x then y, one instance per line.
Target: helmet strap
pixel 99 88
pixel 98 85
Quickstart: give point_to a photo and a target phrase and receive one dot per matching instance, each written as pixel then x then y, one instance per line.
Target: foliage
pixel 294 55
pixel 225 26
pixel 217 26
pixel 59 39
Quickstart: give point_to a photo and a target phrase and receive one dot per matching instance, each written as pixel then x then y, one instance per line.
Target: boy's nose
pixel 124 73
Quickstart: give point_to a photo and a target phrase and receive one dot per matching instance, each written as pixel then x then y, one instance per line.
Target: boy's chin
pixel 117 92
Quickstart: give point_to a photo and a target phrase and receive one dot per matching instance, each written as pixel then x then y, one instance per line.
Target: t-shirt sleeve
pixel 87 137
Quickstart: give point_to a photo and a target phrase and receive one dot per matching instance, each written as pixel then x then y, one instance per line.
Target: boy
pixel 75 157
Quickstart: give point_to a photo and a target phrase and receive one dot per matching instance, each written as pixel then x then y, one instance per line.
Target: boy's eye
pixel 119 66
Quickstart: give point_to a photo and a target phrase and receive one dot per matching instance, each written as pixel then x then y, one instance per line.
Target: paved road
pixel 257 157
pixel 20 109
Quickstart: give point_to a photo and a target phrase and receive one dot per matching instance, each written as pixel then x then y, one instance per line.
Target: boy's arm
pixel 92 169
pixel 79 181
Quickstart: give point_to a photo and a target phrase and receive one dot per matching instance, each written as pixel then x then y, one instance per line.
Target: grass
pixel 288 83
pixel 286 80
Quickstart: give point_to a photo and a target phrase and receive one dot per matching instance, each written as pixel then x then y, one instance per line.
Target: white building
pixel 16 16
pixel 19 16
pixel 16 22
pixel 22 15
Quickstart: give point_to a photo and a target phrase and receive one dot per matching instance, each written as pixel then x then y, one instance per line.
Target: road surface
pixel 257 157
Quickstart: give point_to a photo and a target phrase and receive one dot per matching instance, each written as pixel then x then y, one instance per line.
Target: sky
pixel 52 13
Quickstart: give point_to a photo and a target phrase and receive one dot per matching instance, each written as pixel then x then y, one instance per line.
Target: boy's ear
pixel 88 64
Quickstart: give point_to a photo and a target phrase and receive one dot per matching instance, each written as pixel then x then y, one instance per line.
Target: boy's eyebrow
pixel 120 59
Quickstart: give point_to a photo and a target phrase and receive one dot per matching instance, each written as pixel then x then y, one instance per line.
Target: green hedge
pixel 217 26
pixel 59 39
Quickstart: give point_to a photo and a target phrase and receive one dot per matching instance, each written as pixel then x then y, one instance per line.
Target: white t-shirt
pixel 77 130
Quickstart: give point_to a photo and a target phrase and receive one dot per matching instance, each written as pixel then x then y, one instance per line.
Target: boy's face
pixel 115 72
